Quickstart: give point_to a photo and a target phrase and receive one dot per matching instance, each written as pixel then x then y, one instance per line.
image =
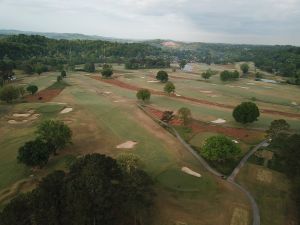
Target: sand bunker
pixel 66 110
pixel 190 172
pixel 214 96
pixel 251 83
pixel 206 92
pixel 143 77
pixel 235 141
pixel 30 118
pixel 243 87
pixel 178 95
pixel 294 103
pixel 17 122
pixel 264 176
pixel 107 92
pixel 152 81
pixel 219 121
pixel 21 114
pixel 127 145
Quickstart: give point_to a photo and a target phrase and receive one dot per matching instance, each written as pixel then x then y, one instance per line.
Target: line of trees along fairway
pixel 97 190
pixel 51 137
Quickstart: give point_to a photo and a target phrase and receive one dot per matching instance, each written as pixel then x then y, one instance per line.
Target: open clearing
pixel 106 117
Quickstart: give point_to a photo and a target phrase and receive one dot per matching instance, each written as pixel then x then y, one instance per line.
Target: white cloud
pixel 235 21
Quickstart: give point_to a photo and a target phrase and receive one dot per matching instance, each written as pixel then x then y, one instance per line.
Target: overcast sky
pixel 227 21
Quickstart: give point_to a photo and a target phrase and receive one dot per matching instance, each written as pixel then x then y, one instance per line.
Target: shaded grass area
pixel 14 137
pixel 273 197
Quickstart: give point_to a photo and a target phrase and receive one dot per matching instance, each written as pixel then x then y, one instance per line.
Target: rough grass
pixel 273 198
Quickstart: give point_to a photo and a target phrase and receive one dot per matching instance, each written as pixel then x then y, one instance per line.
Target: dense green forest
pixel 26 51
pixel 281 60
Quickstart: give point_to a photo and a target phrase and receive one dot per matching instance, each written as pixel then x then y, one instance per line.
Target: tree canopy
pixel 55 134
pixel 276 127
pixel 169 87
pixel 32 89
pixel 185 115
pixel 220 148
pixel 143 94
pixel 9 93
pixel 207 74
pixel 227 75
pixel 162 76
pixel 96 190
pixel 107 70
pixel 246 112
pixel 245 68
pixel 34 153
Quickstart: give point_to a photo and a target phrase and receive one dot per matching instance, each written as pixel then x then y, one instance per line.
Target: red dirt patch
pixel 44 95
pixel 158 114
pixel 249 136
pixel 246 135
pixel 201 101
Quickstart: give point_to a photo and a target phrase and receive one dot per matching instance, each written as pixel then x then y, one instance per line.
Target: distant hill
pixel 66 36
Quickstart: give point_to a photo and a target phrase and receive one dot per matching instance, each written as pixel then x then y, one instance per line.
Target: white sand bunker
pixel 294 103
pixel 143 77
pixel 21 114
pixel 66 110
pixel 178 95
pixel 251 83
pixel 127 145
pixel 235 141
pixel 190 172
pixel 17 122
pixel 214 96
pixel 206 92
pixel 264 176
pixel 152 81
pixel 29 117
pixel 107 92
pixel 219 121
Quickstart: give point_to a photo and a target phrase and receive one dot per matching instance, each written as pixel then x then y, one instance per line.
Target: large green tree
pixel 207 74
pixel 169 87
pixel 18 211
pixel 143 94
pixel 246 112
pixel 48 199
pixel 95 192
pixel 9 93
pixel 32 88
pixel 185 115
pixel 220 148
pixel 34 153
pixel 107 70
pixel 277 127
pixel 162 76
pixel 245 68
pixel 55 134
